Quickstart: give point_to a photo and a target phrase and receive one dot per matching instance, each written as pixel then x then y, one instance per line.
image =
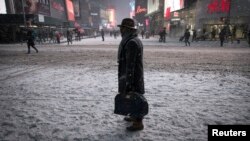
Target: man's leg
pixel 33 46
pixel 28 45
pixel 137 124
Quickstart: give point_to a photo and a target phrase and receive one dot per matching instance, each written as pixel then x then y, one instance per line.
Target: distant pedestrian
pixel 78 35
pixel 213 34
pixel 69 37
pixel 248 36
pixel 194 35
pixel 31 40
pixel 164 35
pixel 58 36
pixel 233 37
pixel 142 34
pixel 222 36
pixel 186 37
pixel 102 33
pixel 115 34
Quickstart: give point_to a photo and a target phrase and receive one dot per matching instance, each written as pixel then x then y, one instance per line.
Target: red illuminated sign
pixel 70 10
pixel 218 6
pixel 167 13
pixel 140 10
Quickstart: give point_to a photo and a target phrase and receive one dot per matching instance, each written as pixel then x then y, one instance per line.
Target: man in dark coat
pixel 194 35
pixel 222 36
pixel 102 33
pixel 186 37
pixel 31 40
pixel 130 67
pixel 248 34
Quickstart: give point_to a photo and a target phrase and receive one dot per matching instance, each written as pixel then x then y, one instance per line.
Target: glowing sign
pixel 2 7
pixel 139 9
pixel 153 5
pixel 132 5
pixel 218 6
pixel 70 10
pixel 111 13
pixel 172 5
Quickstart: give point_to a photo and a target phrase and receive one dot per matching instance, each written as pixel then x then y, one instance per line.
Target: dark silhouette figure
pixel 222 36
pixel 186 37
pixel 248 35
pixel 69 37
pixel 115 34
pixel 31 41
pixel 233 37
pixel 102 33
pixel 130 68
pixel 213 34
pixel 162 34
pixel 142 34
pixel 58 36
pixel 194 35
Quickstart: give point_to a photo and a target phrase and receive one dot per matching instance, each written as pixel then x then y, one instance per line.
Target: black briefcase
pixel 131 104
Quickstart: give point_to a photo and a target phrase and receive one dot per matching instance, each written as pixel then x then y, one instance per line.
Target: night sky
pixel 122 9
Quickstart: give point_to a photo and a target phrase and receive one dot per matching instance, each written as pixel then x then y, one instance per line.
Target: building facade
pixel 215 14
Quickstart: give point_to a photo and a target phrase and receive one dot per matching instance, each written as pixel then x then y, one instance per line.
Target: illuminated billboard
pixel 2 7
pixel 33 6
pixel 140 10
pixel 111 14
pixel 216 6
pixel 70 10
pixel 153 5
pixel 172 5
pixel 58 9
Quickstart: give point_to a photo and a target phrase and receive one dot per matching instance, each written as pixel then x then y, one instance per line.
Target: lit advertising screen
pixel 2 7
pixel 33 6
pixel 70 10
pixel 172 5
pixel 112 16
pixel 58 9
pixel 140 10
pixel 153 5
pixel 30 6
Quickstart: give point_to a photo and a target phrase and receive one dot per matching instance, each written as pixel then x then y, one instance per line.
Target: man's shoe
pixel 136 126
pixel 129 119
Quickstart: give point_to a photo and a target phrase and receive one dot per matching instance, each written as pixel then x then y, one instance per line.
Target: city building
pixel 42 15
pixel 154 16
pixel 215 14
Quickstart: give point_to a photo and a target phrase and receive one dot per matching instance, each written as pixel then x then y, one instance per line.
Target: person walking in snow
pixel 186 37
pixel 31 40
pixel 142 34
pixel 222 36
pixel 102 33
pixel 248 35
pixel 69 37
pixel 130 68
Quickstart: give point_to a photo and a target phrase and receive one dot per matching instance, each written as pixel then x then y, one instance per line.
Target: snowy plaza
pixel 66 92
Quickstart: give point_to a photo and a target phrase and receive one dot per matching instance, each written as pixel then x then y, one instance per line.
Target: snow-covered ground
pixel 66 93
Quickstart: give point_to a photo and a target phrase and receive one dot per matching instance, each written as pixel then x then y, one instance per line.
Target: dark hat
pixel 128 22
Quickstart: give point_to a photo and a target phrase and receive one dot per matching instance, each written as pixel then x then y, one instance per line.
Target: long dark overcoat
pixel 130 65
